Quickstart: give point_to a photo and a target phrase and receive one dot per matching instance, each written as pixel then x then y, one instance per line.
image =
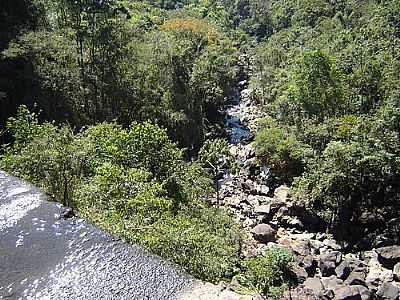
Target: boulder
pixel 264 233
pixel 302 248
pixel 281 193
pixel 306 216
pixel 396 272
pixel 300 293
pixel 299 273
pixel 265 200
pixel 249 186
pixel 262 189
pixel 389 256
pixel 262 209
pixel 281 213
pixel 317 246
pixel 388 291
pixel 293 222
pixel 376 273
pixel 332 283
pixel 233 201
pixel 328 262
pixel 314 284
pixel 356 278
pixel 332 244
pixel 354 292
pixel 252 200
pixel 343 270
pixel 248 222
pixel 309 263
pixel 251 162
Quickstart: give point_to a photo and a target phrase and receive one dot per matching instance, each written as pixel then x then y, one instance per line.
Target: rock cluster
pixel 322 269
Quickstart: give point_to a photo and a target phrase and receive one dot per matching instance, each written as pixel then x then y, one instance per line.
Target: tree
pixel 315 88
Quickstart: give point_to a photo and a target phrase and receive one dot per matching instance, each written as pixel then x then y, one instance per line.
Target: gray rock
pixel 376 273
pixel 252 200
pixel 343 270
pixel 396 272
pixel 282 212
pixel 354 292
pixel 302 248
pixel 262 209
pixel 309 263
pixel 328 294
pixel 265 199
pixel 332 283
pixel 281 193
pixel 262 190
pixel 299 273
pixel 300 293
pixel 332 244
pixel 250 162
pixel 294 223
pixel 356 278
pixel 249 186
pixel 233 201
pixel 388 291
pixel 389 256
pixel 328 262
pixel 314 284
pixel 264 233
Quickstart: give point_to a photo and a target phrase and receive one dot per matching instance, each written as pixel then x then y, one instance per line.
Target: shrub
pixel 267 274
pixel 130 192
pixel 206 243
pixel 315 86
pixel 281 150
pixel 349 179
pixel 214 153
pixel 47 155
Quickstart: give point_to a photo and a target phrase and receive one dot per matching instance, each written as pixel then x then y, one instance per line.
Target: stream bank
pixel 323 268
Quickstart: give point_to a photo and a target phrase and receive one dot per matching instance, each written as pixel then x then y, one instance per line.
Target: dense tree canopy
pixel 326 78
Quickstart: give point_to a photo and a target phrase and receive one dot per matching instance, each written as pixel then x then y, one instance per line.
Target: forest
pixel 115 109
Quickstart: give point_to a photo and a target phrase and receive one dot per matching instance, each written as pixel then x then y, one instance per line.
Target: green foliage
pixel 314 89
pixel 132 182
pixel 125 61
pixel 128 192
pixel 327 75
pixel 280 148
pixel 215 153
pixel 17 16
pixel 205 242
pixel 266 274
pixel 49 65
pixel 352 176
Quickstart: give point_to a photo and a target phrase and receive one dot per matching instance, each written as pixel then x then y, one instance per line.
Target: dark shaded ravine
pixel 43 256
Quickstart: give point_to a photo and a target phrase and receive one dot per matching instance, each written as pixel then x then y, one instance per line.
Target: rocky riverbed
pixel 322 268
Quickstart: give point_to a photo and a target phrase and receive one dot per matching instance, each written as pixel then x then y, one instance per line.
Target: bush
pixel 315 89
pixel 46 155
pixel 267 274
pixel 206 243
pixel 280 148
pixel 214 153
pixel 349 179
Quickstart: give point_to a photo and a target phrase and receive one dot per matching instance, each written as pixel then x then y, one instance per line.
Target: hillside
pixel 251 142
